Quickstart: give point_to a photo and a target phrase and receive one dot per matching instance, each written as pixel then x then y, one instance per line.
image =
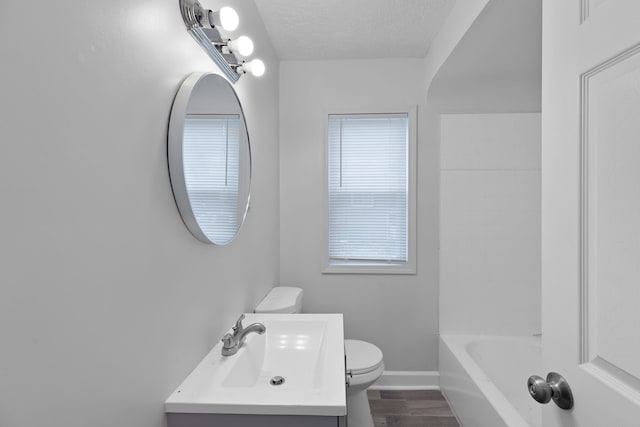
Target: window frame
pixel 329 267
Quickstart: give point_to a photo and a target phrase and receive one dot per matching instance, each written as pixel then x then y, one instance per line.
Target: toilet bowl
pixel 364 360
pixel 364 367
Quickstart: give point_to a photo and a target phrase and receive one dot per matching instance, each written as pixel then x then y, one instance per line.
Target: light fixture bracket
pixel 208 37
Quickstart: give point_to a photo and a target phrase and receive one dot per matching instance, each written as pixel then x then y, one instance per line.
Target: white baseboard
pixel 407 380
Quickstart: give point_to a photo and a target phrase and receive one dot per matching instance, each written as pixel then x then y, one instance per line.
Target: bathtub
pixel 484 379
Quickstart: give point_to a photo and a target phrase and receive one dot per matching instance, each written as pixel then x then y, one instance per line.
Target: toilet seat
pixel 362 357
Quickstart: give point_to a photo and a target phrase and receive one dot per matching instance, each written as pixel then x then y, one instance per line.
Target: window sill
pixel 368 269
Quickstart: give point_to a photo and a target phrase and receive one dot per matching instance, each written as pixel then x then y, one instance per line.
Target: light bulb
pixel 242 45
pixel 255 67
pixel 229 18
pixel 226 18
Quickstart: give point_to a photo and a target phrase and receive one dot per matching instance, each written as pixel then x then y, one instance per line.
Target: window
pixel 370 187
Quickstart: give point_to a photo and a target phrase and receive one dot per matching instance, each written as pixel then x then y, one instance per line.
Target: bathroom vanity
pixel 292 375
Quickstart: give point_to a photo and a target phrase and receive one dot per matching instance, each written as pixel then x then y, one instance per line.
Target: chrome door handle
pixel 554 388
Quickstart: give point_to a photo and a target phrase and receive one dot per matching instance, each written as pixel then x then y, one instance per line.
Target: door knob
pixel 554 388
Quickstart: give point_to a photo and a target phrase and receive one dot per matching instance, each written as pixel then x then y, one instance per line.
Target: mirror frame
pixel 175 140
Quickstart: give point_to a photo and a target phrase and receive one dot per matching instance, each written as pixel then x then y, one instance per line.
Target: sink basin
pixel 304 350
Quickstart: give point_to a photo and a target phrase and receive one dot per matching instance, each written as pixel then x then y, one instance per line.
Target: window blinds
pixel 368 188
pixel 211 154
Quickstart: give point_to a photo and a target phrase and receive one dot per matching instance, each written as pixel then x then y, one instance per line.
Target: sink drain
pixel 277 380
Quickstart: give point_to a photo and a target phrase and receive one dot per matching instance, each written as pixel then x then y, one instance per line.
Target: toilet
pixel 364 360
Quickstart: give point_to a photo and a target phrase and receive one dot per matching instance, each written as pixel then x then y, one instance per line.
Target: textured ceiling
pixel 352 29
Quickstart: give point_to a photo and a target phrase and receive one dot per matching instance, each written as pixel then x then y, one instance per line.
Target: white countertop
pixel 306 349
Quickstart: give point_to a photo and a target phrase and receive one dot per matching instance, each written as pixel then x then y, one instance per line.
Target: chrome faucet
pixel 231 343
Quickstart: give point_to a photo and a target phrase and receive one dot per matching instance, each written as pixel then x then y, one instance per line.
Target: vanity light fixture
pixel 205 26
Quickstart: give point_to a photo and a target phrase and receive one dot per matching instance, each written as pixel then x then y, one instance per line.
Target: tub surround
pixel 490 224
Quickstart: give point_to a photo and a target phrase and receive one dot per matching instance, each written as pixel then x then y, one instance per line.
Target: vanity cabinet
pixel 241 420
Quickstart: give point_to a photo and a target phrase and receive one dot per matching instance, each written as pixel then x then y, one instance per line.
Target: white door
pixel 591 208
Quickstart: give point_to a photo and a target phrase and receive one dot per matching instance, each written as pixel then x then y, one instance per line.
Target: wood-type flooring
pixel 409 408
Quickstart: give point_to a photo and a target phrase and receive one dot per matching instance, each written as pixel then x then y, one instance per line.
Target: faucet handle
pixel 227 341
pixel 238 326
pixel 229 345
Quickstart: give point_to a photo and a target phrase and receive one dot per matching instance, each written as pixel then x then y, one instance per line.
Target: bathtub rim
pixel 457 344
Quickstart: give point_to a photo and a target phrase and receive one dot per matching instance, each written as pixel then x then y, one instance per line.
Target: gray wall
pixel 399 313
pixel 106 301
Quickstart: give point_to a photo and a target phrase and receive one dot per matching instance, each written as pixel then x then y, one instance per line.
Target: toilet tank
pixel 281 299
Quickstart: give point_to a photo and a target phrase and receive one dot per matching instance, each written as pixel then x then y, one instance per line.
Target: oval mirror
pixel 209 158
